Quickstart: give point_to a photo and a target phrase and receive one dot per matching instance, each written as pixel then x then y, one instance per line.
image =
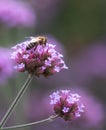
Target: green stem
pixel 51 118
pixel 15 102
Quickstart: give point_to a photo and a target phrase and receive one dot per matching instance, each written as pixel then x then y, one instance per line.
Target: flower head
pixel 66 104
pixel 39 60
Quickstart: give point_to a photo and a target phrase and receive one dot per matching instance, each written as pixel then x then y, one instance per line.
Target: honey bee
pixel 35 41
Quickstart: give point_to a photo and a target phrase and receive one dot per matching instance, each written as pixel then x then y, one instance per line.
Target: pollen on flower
pixel 66 104
pixel 38 60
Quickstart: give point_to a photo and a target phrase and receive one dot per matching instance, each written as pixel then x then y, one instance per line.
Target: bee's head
pixel 43 39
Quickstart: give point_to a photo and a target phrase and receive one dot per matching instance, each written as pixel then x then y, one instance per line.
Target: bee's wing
pixel 22 44
pixel 29 38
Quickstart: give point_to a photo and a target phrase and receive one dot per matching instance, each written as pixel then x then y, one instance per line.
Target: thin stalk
pixel 15 102
pixel 47 120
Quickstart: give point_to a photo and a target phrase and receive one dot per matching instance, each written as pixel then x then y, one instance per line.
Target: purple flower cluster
pixel 16 13
pixel 39 60
pixel 6 65
pixel 66 104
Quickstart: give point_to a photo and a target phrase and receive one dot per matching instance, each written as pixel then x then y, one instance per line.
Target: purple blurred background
pixel 78 28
